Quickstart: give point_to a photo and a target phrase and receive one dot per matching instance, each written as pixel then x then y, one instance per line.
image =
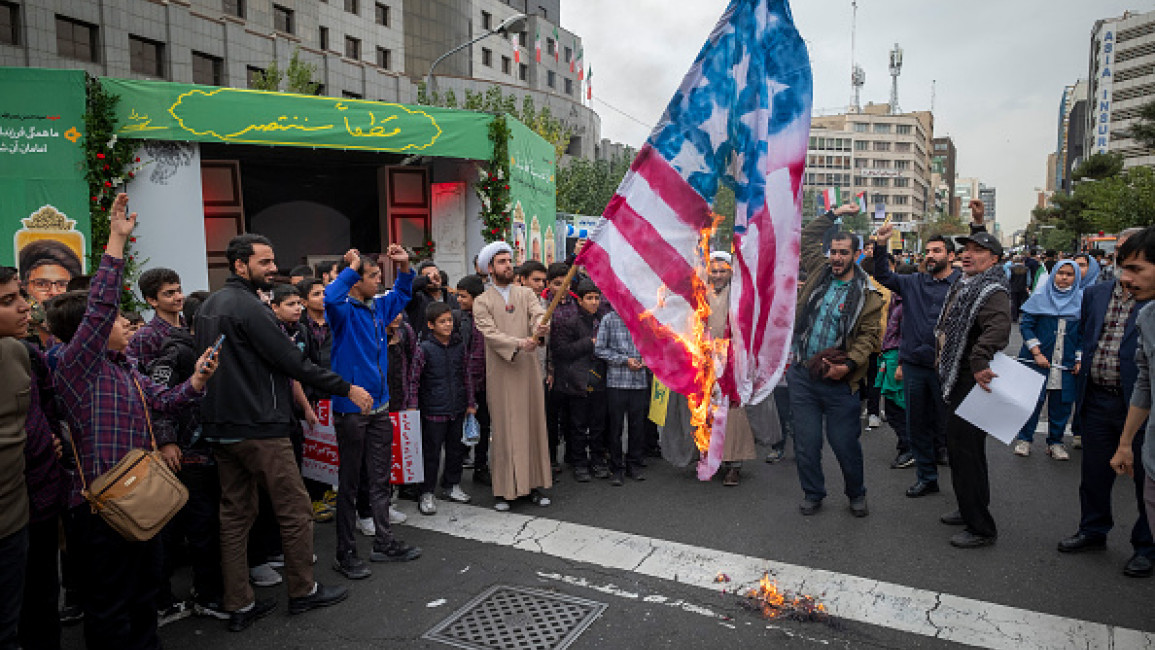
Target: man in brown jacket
pixel 837 327
pixel 975 324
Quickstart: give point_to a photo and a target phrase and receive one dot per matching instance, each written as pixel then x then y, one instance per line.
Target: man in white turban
pixel 509 317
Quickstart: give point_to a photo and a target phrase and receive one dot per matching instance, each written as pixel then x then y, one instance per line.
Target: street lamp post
pixel 514 23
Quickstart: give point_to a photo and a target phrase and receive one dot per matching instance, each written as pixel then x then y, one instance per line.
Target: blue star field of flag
pixel 750 81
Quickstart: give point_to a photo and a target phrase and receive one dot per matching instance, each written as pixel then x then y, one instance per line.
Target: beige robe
pixel 739 442
pixel 519 447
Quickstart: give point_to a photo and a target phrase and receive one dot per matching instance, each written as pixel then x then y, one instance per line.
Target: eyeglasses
pixel 44 285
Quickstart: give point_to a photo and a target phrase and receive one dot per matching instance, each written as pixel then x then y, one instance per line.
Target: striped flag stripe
pixel 658 249
pixel 643 200
pixel 667 183
pixel 669 308
pixel 655 341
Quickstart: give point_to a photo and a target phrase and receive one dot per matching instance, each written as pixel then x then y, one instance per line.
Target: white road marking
pixel 907 609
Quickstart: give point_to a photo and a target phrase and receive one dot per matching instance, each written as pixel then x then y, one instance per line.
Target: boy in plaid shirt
pixel 108 418
pixel 627 396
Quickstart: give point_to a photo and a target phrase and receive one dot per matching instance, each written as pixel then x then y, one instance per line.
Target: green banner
pixel 43 194
pixel 533 194
pixel 157 110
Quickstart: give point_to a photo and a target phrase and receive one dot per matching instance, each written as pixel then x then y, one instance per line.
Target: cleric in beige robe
pixel 739 442
pixel 509 316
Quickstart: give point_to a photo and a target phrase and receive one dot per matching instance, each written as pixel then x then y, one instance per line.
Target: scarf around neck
pixel 961 307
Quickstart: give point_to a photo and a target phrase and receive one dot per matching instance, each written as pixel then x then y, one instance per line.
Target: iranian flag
pixel 581 72
pixel 556 46
pixel 516 49
pixel 861 198
pixel 590 85
pixel 537 45
pixel 830 198
pixel 572 59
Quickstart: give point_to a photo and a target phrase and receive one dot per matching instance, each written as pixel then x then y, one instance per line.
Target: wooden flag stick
pixel 557 297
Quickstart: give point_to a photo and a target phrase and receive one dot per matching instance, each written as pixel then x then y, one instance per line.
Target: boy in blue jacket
pixel 358 319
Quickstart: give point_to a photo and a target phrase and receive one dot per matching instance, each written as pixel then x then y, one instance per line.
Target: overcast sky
pixel 1000 68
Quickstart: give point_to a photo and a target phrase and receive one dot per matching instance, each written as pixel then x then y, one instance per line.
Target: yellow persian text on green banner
pixel 154 110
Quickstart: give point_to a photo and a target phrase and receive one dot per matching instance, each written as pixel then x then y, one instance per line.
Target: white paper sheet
pixel 1014 394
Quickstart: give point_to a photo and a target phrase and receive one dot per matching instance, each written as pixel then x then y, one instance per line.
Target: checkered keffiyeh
pixel 1105 364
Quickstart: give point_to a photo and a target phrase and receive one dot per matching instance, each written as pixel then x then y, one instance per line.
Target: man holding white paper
pixel 974 325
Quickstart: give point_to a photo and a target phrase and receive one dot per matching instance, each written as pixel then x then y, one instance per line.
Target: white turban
pixel 491 251
pixel 721 256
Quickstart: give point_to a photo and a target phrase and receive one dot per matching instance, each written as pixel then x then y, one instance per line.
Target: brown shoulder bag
pixel 140 494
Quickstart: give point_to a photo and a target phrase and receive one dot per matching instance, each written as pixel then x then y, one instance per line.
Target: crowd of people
pixel 519 373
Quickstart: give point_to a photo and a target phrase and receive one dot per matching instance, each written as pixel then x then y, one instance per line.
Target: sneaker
pixel 1022 448
pixel 263 575
pixel 243 618
pixel 366 526
pixel 904 460
pixel 1058 452
pixel 619 479
pixel 351 566
pixel 1076 442
pixel 322 513
pixel 858 507
pixel 427 506
pixel 209 608
pixel 501 506
pixel 733 477
pixel 396 551
pixel 873 422
pixel 330 498
pixel 775 455
pixel 539 498
pixel 601 471
pixel 322 596
pixel 173 613
pixel 396 516
pixel 458 495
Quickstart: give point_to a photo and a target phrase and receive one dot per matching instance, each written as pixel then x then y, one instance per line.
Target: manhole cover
pixel 518 618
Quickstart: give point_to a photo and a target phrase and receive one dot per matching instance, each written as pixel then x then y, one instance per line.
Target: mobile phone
pixel 216 348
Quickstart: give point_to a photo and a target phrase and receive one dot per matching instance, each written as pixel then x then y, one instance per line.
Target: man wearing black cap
pixel 975 324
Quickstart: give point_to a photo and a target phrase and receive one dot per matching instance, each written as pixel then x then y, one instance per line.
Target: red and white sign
pixel 319 458
pixel 408 463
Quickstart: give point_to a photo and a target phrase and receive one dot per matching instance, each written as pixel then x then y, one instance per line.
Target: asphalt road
pixel 1035 501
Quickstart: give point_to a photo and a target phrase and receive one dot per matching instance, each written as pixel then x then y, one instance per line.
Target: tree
pixel 1143 131
pixel 1098 166
pixel 586 186
pixel 299 75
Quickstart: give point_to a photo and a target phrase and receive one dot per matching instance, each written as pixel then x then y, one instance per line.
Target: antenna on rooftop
pixel 857 74
pixel 895 70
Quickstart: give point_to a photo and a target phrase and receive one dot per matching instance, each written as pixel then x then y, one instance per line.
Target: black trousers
pixel 585 444
pixel 1103 412
pixel 201 521
pixel 118 583
pixel 39 614
pixel 870 394
pixel 966 444
pixel 365 444
pixel 485 423
pixel 558 422
pixel 628 406
pixel 435 436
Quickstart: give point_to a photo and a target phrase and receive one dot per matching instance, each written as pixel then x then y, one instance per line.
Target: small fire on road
pixel 775 603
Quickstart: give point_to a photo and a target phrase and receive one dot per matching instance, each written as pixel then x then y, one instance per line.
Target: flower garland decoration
pixel 493 186
pixel 426 251
pixel 110 164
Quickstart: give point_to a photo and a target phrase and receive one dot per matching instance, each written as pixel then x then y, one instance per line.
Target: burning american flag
pixel 741 117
